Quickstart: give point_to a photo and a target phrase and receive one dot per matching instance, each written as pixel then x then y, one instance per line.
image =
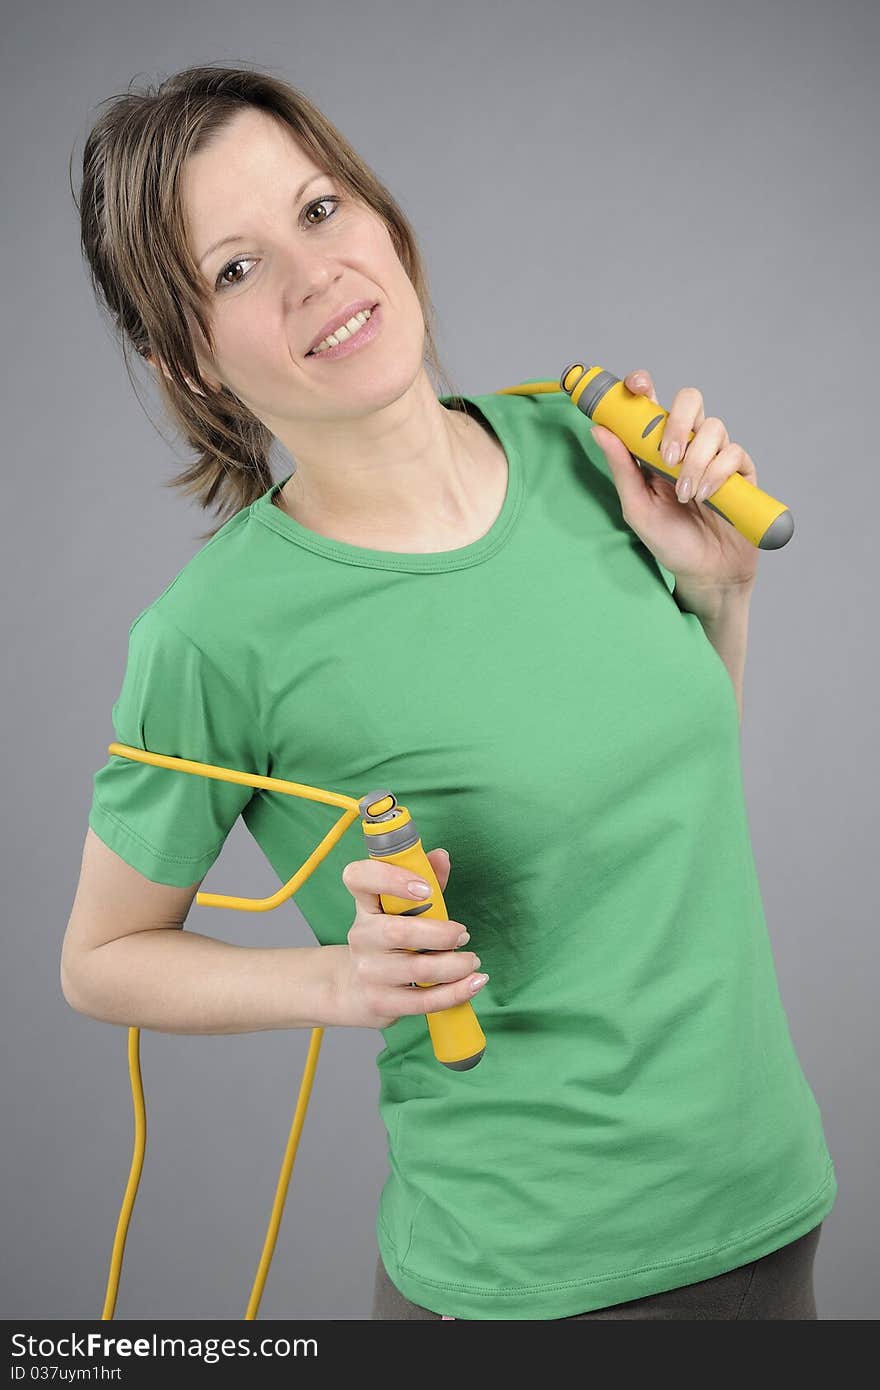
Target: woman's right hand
pixel 373 983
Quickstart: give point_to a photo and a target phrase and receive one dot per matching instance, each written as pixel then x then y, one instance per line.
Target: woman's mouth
pixel 365 334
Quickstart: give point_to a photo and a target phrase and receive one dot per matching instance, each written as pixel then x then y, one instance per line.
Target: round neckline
pixel 265 510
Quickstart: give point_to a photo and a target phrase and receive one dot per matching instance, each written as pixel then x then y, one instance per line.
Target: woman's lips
pixel 365 334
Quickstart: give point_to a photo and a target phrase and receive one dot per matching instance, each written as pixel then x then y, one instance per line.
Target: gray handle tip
pixel 466 1063
pixel 779 533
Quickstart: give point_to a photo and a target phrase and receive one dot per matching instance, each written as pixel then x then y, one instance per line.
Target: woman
pixel 473 602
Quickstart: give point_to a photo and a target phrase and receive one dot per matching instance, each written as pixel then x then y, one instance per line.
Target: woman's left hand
pixel 707 555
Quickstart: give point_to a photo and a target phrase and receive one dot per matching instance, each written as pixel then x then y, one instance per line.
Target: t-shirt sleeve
pixel 168 824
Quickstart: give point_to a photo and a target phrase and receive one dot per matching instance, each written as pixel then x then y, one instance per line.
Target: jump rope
pixel 391 835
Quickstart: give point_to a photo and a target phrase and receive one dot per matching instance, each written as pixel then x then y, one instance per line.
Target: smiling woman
pixel 641 1126
pixel 217 160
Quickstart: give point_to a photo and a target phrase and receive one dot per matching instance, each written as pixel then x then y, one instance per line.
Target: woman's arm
pixel 725 622
pixel 126 959
pixel 173 980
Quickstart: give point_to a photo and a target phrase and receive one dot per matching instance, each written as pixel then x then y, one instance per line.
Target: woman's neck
pixel 478 470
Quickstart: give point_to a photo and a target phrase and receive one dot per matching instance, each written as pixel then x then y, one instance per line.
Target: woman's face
pixel 292 260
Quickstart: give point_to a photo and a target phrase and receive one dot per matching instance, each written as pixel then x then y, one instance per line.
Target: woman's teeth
pixel 347 330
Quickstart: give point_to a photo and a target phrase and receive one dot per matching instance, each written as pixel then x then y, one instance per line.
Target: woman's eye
pixel 219 283
pixel 322 202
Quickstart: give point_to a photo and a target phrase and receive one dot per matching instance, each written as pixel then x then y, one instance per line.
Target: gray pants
pixel 779 1285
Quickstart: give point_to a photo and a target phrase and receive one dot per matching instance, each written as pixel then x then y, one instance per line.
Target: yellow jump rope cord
pixel 137 1164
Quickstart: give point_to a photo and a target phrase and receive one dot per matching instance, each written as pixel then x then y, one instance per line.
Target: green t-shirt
pixel 537 699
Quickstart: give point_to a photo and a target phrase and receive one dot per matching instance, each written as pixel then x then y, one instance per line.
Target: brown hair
pixel 134 242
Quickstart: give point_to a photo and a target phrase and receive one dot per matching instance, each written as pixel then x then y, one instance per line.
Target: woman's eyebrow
pixel 237 235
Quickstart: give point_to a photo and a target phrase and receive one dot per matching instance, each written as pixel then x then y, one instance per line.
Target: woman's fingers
pixel 439 859
pixel 367 878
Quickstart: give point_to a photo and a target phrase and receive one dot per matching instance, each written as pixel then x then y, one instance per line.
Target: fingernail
pixel 417 889
pixel 671 453
pixel 477 983
pixel 683 489
pixel 465 936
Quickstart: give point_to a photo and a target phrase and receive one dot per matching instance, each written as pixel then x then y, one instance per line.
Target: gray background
pixel 679 186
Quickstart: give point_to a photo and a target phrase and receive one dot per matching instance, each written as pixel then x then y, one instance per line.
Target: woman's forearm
pixel 173 980
pixel 728 631
pixel 724 616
